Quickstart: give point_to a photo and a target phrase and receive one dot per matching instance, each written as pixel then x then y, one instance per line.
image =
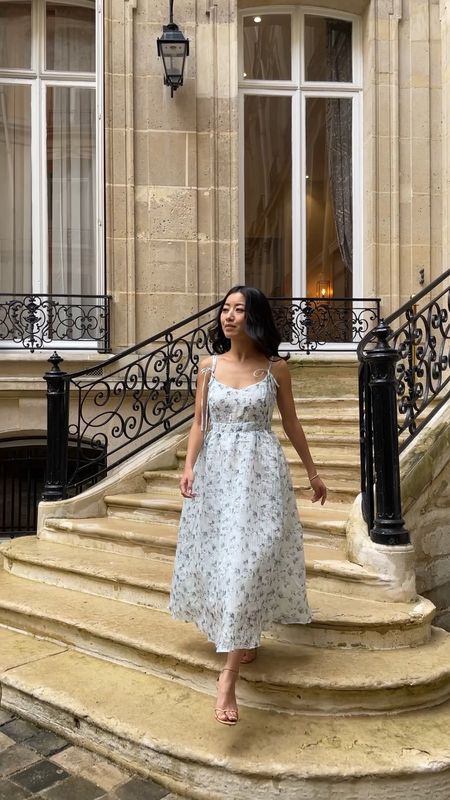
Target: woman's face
pixel 232 317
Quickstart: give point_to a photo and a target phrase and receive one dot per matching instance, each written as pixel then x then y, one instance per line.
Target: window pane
pixel 328 49
pixel 268 194
pixel 329 218
pixel 267 47
pixel 15 195
pixel 71 190
pixel 15 35
pixel 70 44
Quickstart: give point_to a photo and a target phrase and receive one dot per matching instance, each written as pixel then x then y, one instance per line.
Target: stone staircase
pixel 355 705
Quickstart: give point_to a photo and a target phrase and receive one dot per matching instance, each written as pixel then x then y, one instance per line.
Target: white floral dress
pixel 239 564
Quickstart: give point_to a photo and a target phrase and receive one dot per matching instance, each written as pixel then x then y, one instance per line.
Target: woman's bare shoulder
pixel 205 363
pixel 280 368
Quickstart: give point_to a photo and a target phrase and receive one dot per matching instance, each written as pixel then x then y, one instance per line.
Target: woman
pixel 239 564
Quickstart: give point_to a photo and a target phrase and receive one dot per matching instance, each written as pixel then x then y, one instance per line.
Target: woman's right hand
pixel 186 483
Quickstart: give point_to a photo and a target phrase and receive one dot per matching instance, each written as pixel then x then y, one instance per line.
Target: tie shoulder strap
pixel 204 398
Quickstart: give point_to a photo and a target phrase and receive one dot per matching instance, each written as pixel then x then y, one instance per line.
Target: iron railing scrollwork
pixel 326 324
pixel 144 392
pixel 404 380
pixel 38 321
pixel 149 390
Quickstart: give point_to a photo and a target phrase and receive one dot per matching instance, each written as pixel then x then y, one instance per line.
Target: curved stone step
pixel 321 427
pixel 267 756
pixel 327 567
pixel 295 678
pixel 146 582
pixel 126 537
pixel 346 468
pixel 137 581
pixel 144 507
pixel 339 489
pixel 331 404
pixel 330 519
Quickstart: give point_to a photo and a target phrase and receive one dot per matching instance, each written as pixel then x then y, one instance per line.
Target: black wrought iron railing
pixel 404 381
pixel 39 321
pixel 133 399
pixel 327 324
pixel 120 407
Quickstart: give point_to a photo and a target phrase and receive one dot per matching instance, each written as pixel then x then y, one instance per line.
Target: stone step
pixel 166 731
pixel 339 489
pixel 321 427
pixel 349 402
pixel 311 410
pixel 336 420
pixel 327 566
pixel 146 582
pixel 126 537
pixel 322 446
pixel 289 677
pixel 345 469
pixel 338 465
pixel 328 520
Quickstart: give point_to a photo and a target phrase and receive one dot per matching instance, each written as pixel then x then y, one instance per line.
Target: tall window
pixel 300 87
pixel 50 125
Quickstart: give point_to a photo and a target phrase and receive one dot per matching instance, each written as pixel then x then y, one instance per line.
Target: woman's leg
pixel 226 706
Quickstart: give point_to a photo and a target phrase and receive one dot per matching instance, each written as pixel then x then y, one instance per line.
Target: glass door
pixel 300 84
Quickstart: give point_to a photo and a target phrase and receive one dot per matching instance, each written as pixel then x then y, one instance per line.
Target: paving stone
pixel 19 730
pixel 91 766
pixel 47 743
pixel 17 758
pixel 74 788
pixel 139 789
pixel 5 741
pixel 5 716
pixel 39 776
pixel 8 791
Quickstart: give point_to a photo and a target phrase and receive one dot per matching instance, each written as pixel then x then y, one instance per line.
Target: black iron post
pixel 57 431
pixel 389 527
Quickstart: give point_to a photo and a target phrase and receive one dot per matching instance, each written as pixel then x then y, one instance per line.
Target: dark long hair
pixel 260 325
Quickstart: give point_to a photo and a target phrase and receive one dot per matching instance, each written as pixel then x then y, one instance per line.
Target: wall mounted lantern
pixel 173 48
pixel 323 289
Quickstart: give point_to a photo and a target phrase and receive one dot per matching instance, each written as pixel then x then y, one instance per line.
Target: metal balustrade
pixel 404 380
pixel 41 321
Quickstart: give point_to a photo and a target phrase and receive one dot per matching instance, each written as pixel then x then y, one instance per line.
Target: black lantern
pixel 173 49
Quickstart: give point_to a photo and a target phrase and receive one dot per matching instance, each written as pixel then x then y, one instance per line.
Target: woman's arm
pixel 195 440
pixel 294 430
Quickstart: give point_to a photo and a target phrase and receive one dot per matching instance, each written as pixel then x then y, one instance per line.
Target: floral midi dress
pixel 239 564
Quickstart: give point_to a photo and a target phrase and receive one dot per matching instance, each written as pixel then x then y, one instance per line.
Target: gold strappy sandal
pixel 226 710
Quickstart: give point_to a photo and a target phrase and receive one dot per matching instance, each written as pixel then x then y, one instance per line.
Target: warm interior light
pixel 256 19
pixel 323 289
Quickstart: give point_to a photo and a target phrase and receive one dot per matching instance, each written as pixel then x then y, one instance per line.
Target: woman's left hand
pixel 319 489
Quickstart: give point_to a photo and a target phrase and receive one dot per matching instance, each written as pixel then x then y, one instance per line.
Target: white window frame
pixel 300 89
pixel 39 80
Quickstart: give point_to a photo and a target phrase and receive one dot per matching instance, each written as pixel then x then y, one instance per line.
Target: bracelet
pixel 313 477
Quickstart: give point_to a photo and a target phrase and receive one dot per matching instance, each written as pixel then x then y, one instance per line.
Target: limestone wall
pixel 171 165
pixel 426 507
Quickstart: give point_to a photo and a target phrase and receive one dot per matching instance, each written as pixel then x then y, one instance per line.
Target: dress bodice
pixel 252 406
